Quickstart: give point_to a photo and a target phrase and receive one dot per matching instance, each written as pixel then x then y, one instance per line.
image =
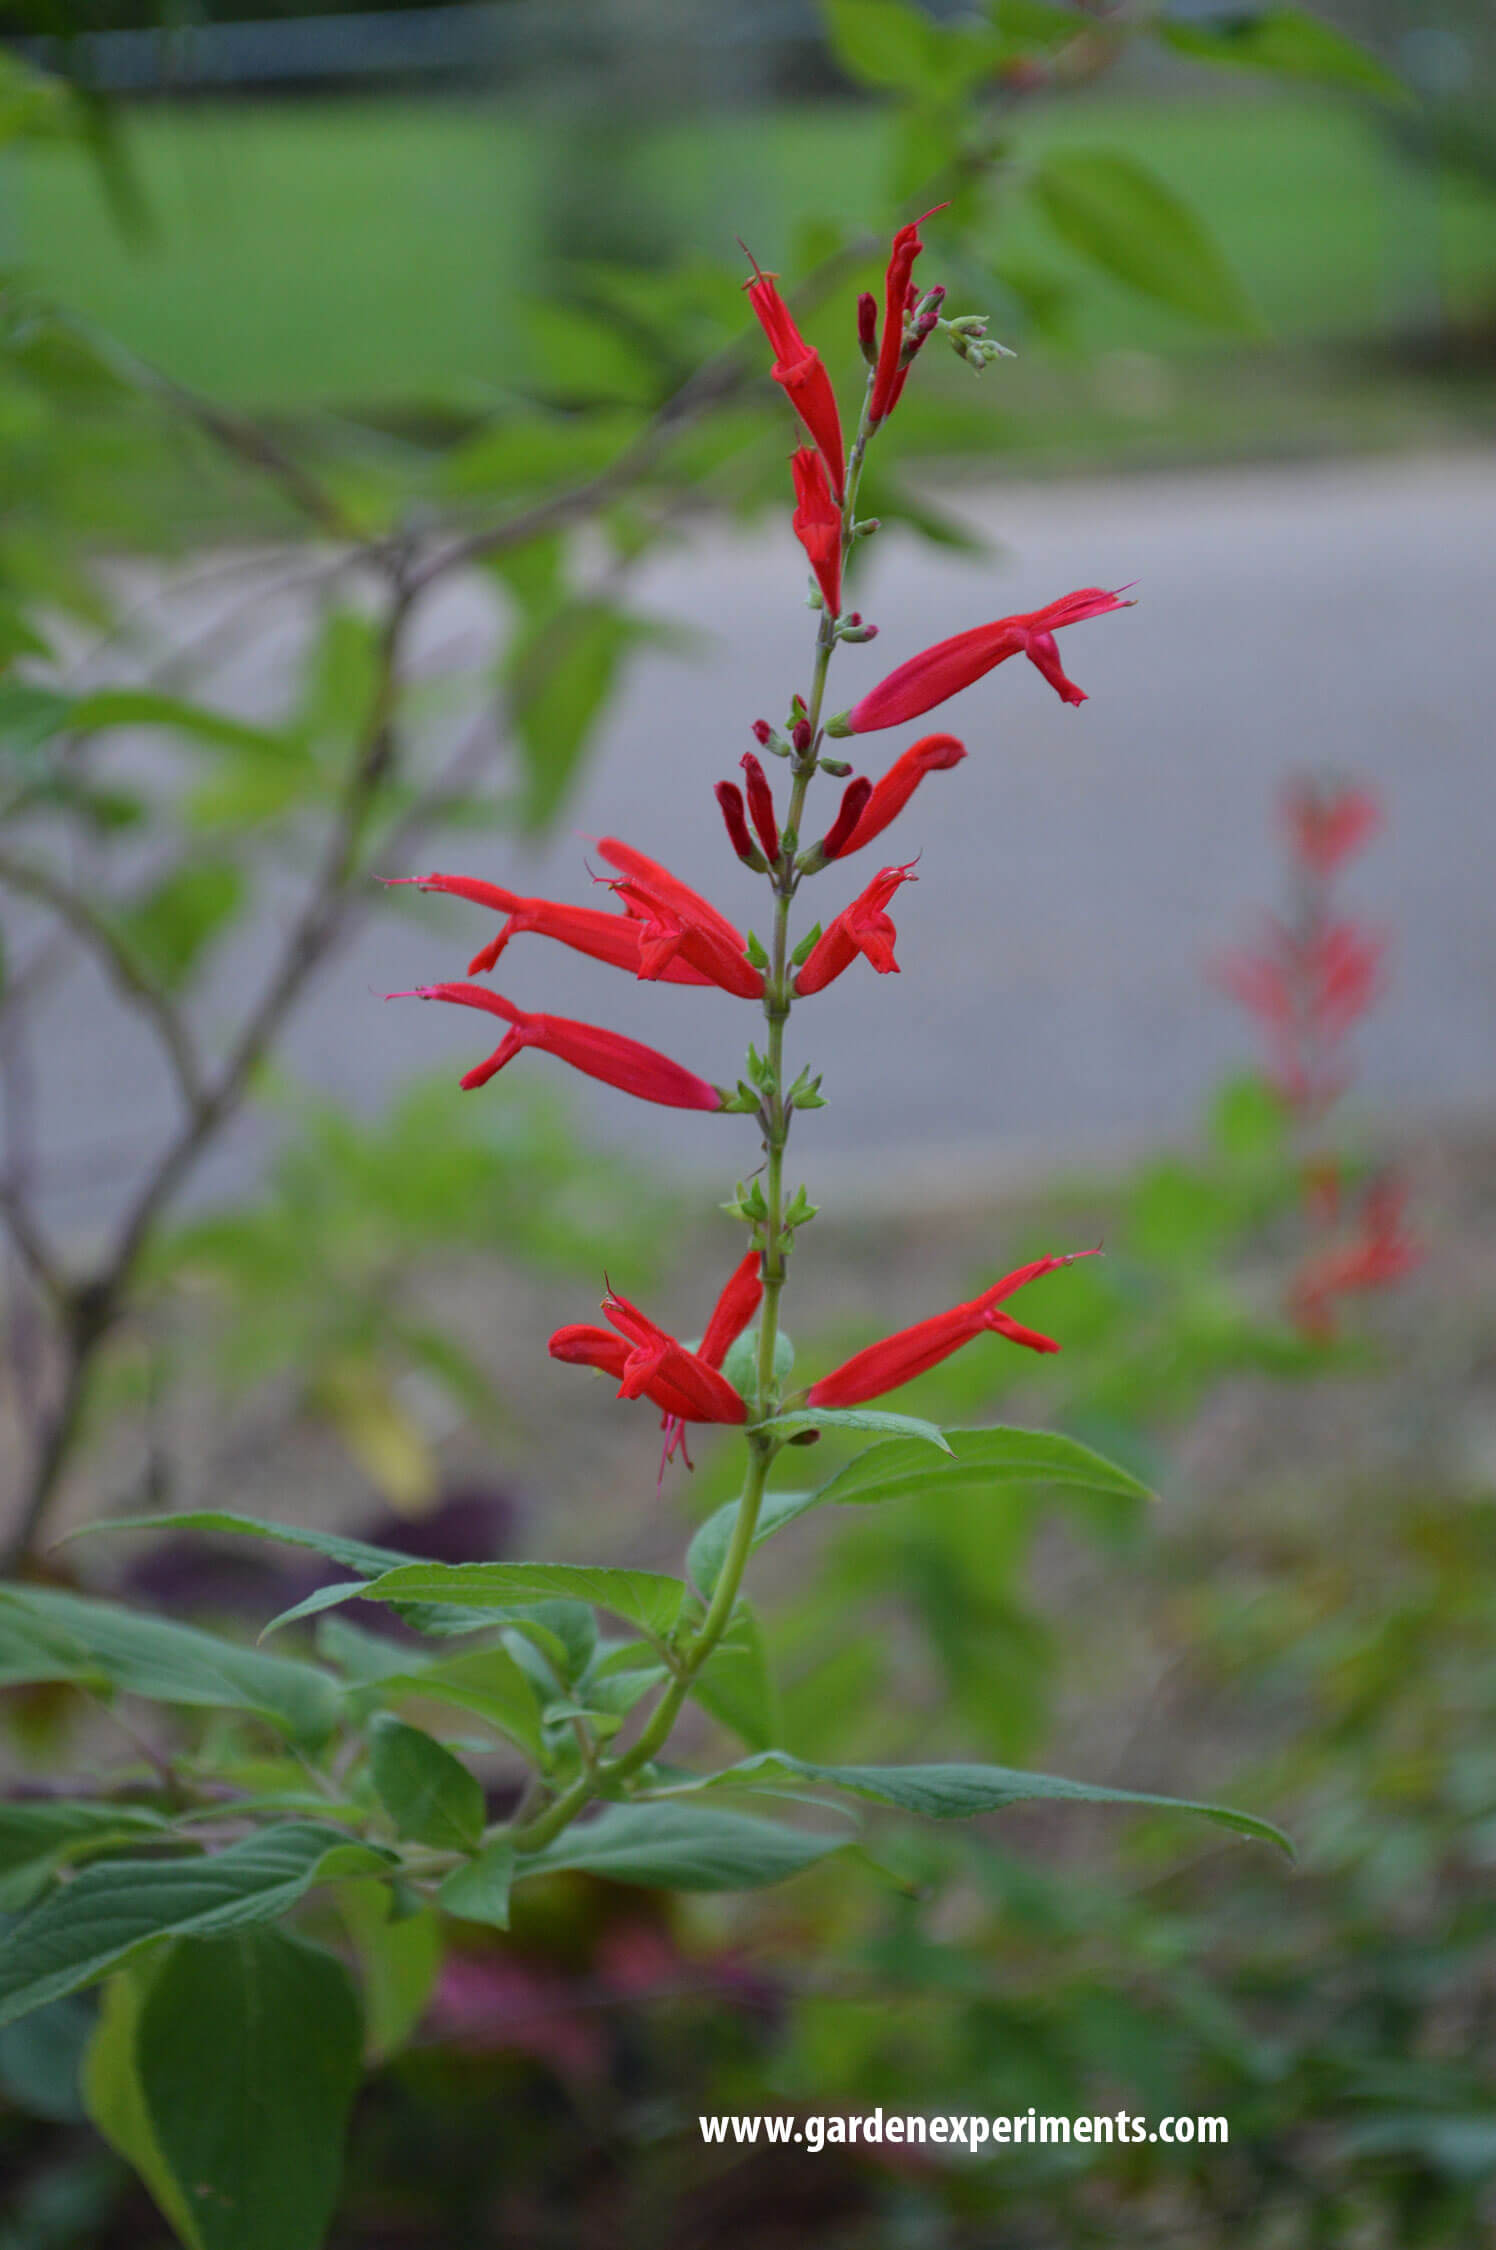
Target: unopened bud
pixel 849 632
pixel 867 326
pixel 800 735
pixel 867 527
pixel 848 813
pixel 763 733
pixel 761 805
pixel 836 767
pixel 730 798
pixel 840 725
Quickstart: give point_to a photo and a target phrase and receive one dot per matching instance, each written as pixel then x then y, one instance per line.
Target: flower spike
pixel 888 382
pixel 913 1351
pixel 940 672
pixel 625 1063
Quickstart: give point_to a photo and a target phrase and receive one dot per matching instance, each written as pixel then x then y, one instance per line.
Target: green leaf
pixel 171 928
pixel 1249 1120
pixel 429 1795
pixel 736 1685
pixel 38 1835
pixel 31 716
pixel 708 1550
pixel 398 1957
pixel 247 2053
pixel 45 1635
pixel 479 1892
pixel 682 1848
pixel 113 1910
pixel 141 707
pixel 115 2102
pixel 855 1418
pixel 642 1597
pixel 1288 41
pixel 980 1458
pixel 961 1792
pixel 488 1683
pixel 349 1553
pixel 890 44
pixel 41 2059
pixel 560 676
pixel 1121 216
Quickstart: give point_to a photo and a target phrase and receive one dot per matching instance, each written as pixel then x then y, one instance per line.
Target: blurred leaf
pixel 1249 1120
pixel 429 1795
pixel 1287 41
pixel 112 1911
pixel 559 678
pixel 30 716
pixel 116 2103
pixel 247 2059
pixel 1121 216
pixel 399 1956
pixel 489 1683
pixel 106 708
pixel 891 44
pixel 174 924
pixel 736 1684
pixel 45 1635
pixel 479 1891
pixel 585 360
pixel 961 1792
pixel 41 2058
pixel 681 1848
pixel 526 451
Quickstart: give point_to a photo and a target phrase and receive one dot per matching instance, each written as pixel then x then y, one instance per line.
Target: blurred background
pixel 391 482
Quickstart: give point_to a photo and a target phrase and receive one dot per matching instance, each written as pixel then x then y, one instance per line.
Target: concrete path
pixel 1078 871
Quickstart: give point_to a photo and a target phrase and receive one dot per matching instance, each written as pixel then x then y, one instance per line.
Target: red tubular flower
pixel 913 1351
pixel 801 374
pixel 624 1063
pixel 1308 992
pixel 687 1386
pixel 761 804
pixel 818 525
pixel 1327 826
pixel 862 927
pixel 736 1306
pixel 603 937
pixel 938 673
pixel 889 379
pixel 675 920
pixel 933 753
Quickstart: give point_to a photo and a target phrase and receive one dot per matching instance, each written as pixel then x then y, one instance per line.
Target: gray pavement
pixel 1078 871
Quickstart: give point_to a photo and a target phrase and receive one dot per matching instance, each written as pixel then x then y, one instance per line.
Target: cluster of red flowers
pixel 1309 983
pixel 661 929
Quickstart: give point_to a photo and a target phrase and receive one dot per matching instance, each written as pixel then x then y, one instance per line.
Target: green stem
pixel 607 1774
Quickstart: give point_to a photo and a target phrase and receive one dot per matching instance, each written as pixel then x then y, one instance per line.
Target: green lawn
pixel 366 252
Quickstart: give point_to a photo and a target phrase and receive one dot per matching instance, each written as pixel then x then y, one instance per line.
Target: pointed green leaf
pixel 642 1597
pixel 979 1458
pixel 247 2052
pixel 112 1910
pixel 350 1554
pixel 399 1955
pixel 115 2102
pixel 1121 216
pixel 1287 41
pixel 40 1834
pixel 488 1683
pixel 479 1891
pixel 47 1635
pixel 736 1685
pixel 960 1792
pixel 682 1848
pixel 855 1418
pixel 708 1550
pixel 429 1795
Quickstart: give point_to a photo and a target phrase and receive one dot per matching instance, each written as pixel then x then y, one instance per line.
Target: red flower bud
pixel 763 733
pixel 867 326
pixel 938 673
pixel 848 813
pixel 800 735
pixel 913 1351
pixel 863 927
pixel 933 753
pixel 730 798
pixel 799 371
pixel 624 1063
pixel 818 525
pixel 761 805
pixel 897 287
